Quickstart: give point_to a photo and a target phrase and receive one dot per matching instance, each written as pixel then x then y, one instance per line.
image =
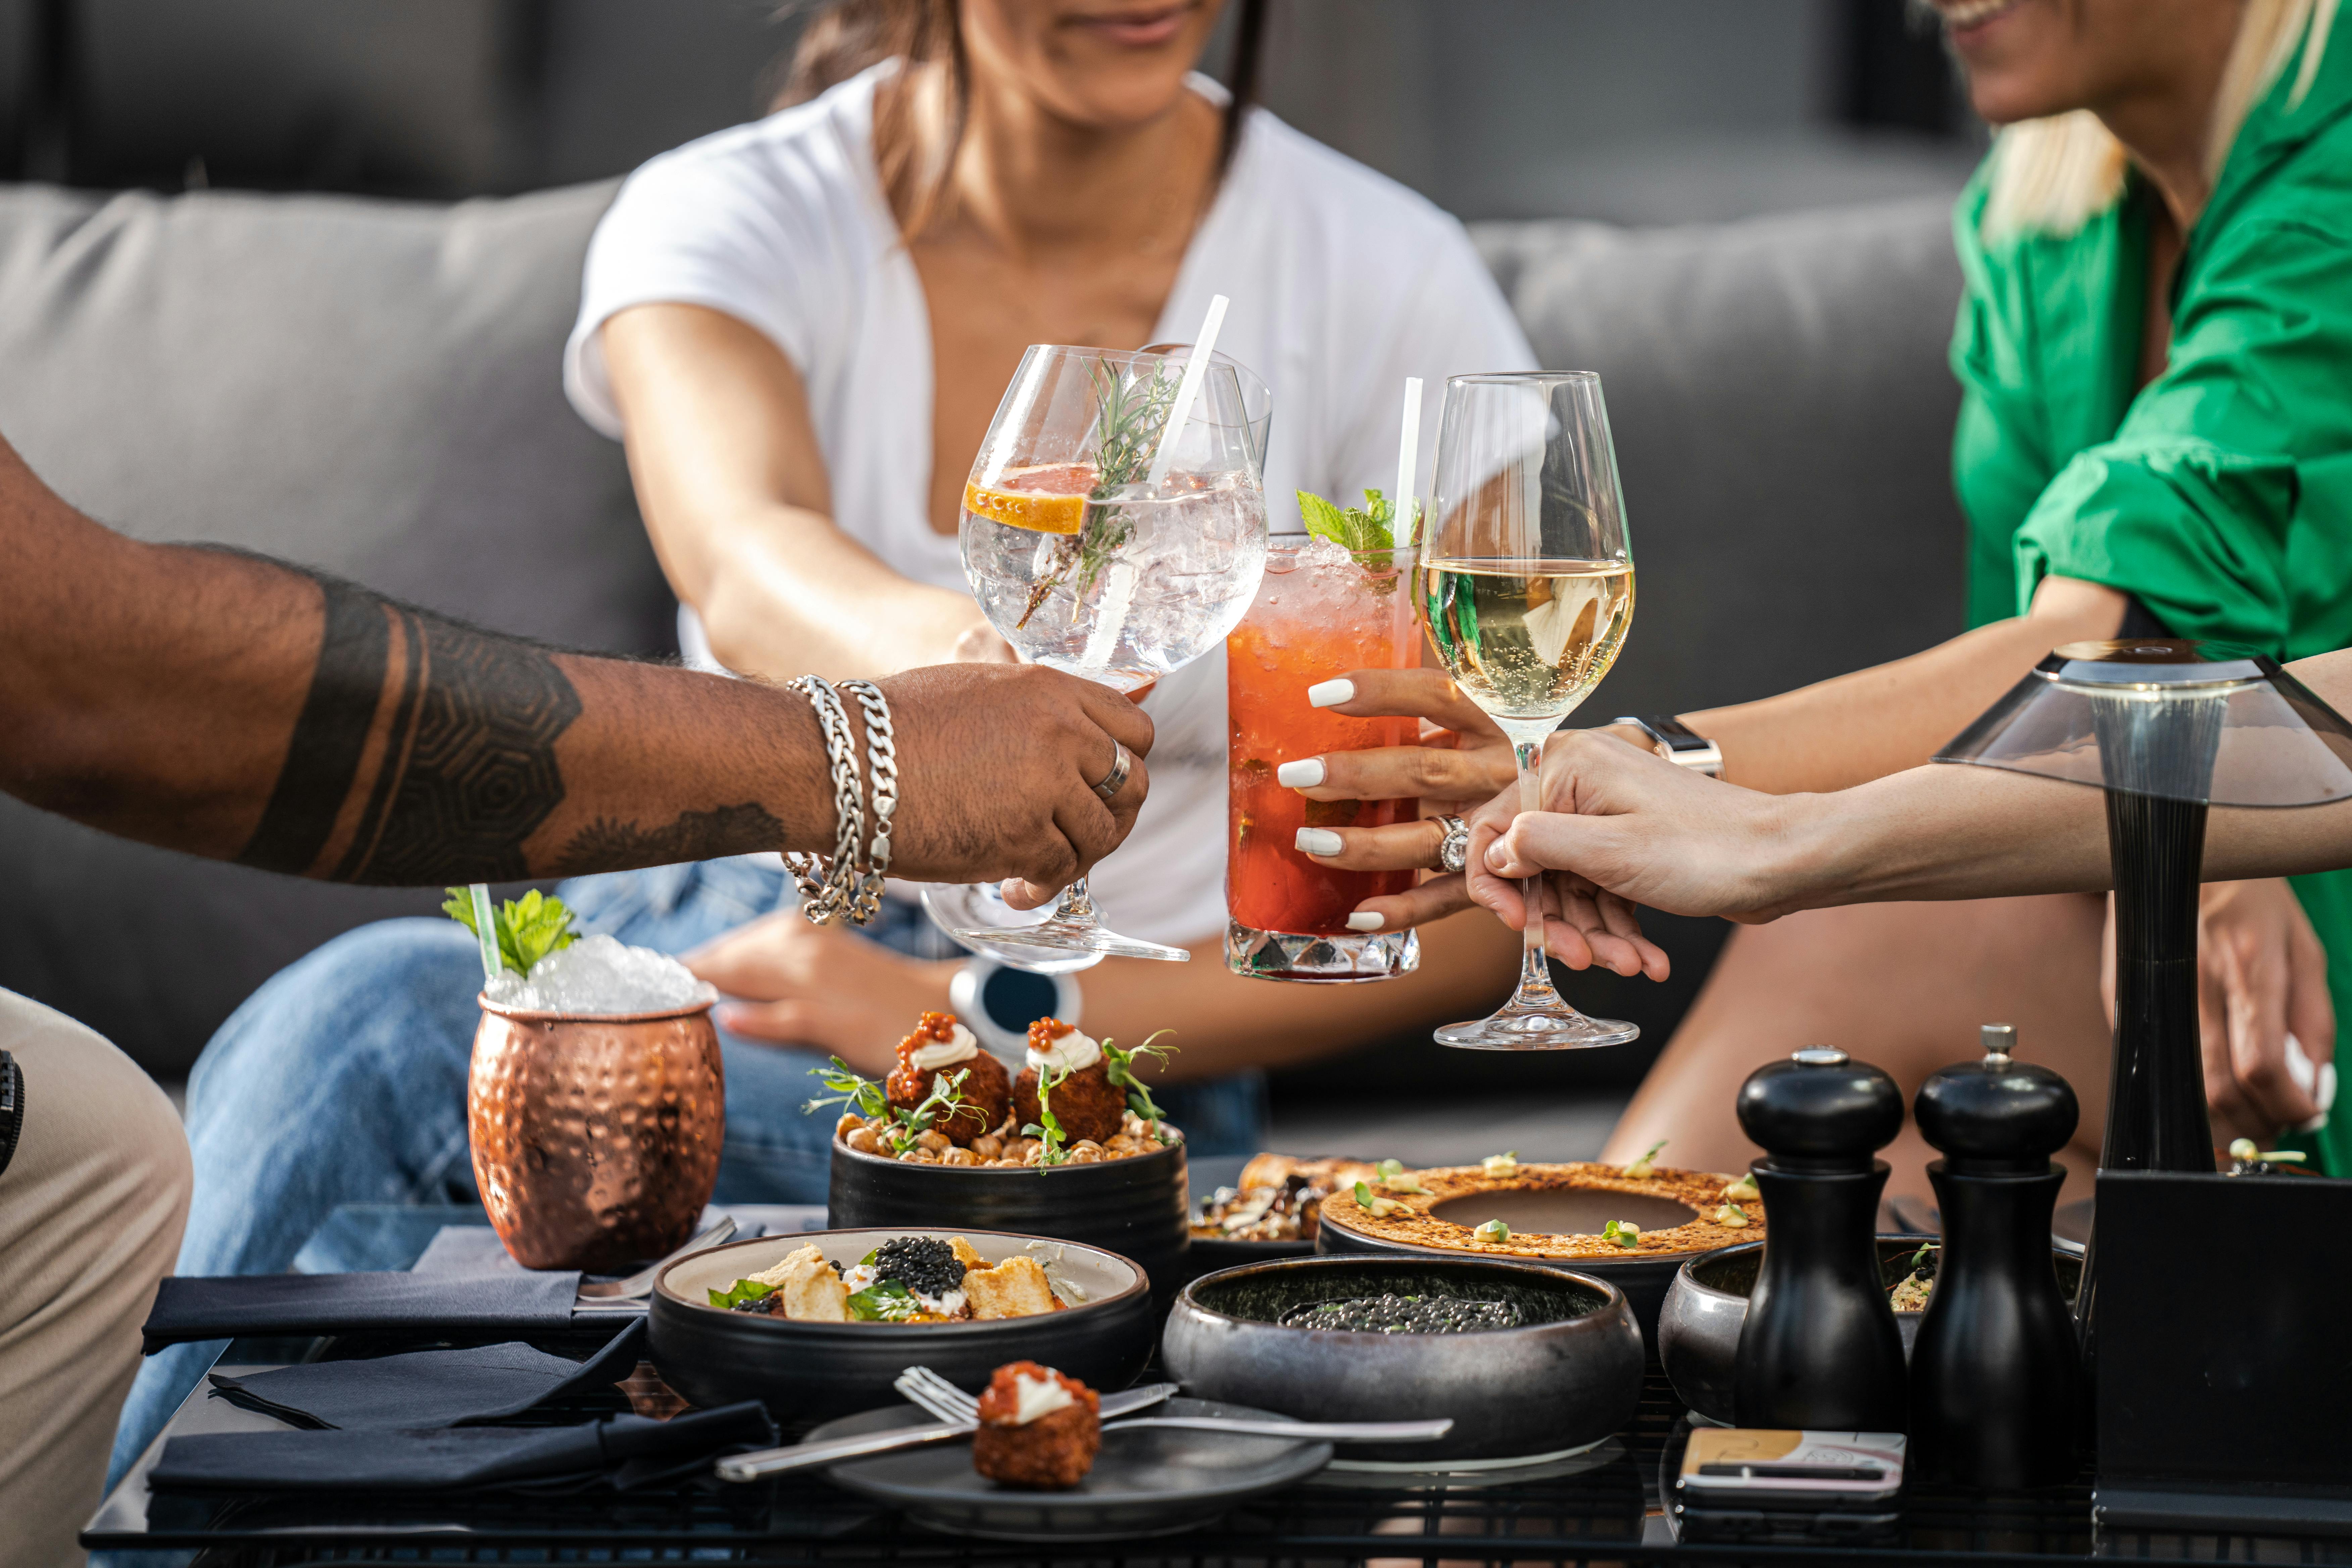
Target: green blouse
pixel 2221 493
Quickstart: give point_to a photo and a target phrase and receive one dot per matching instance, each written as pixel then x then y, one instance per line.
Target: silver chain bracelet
pixel 830 891
pixel 882 760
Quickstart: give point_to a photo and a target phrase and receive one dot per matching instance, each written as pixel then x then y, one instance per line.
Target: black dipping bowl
pixel 1644 1277
pixel 1563 1381
pixel 1135 1206
pixel 1699 1329
pixel 812 1372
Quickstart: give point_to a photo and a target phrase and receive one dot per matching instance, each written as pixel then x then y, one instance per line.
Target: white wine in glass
pixel 1525 589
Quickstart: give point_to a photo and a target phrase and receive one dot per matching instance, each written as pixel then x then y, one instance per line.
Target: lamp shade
pixel 2170 718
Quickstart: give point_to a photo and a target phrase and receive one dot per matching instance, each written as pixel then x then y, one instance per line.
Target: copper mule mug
pixel 595 1136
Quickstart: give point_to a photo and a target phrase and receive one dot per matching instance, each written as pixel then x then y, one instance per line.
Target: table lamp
pixel 2167 726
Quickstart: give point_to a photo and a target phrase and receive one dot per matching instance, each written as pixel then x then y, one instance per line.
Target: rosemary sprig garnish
pixel 1131 415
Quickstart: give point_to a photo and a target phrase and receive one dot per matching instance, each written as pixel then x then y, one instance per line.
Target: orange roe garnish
pixel 1046 1031
pixel 1000 1401
pixel 932 1028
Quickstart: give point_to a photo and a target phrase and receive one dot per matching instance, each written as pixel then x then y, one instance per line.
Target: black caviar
pixel 1394 1314
pixel 923 1264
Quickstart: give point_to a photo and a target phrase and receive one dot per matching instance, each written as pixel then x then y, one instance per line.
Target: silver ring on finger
pixel 1453 849
pixel 1121 764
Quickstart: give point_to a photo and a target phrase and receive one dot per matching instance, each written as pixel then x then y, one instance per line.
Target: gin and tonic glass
pixel 1094 551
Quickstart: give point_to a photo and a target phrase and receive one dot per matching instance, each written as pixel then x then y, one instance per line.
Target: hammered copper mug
pixel 595 1136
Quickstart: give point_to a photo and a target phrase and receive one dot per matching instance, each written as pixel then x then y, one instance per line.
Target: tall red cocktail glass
pixel 1320 611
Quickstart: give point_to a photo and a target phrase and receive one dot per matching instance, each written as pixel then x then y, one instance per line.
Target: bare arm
pixel 1662 837
pixel 735 494
pixel 1839 732
pixel 234 707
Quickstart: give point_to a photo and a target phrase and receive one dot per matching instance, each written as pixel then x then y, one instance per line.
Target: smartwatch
pixel 998 1003
pixel 12 1107
pixel 1679 743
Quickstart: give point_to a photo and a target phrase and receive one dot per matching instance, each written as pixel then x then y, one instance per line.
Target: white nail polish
pixel 1318 841
pixel 1305 774
pixel 1331 693
pixel 1360 920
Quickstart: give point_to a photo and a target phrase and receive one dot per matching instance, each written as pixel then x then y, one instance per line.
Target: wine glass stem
pixel 1535 975
pixel 1077 905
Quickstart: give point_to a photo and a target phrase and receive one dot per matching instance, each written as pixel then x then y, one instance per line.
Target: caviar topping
pixel 923 1264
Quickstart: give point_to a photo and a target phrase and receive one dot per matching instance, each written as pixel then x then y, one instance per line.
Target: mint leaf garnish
pixel 529 928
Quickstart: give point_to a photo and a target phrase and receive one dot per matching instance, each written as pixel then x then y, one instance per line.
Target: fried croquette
pixel 986 1089
pixel 1055 1447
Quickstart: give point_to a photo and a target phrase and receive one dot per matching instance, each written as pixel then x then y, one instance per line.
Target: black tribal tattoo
pixel 695 835
pixel 468 771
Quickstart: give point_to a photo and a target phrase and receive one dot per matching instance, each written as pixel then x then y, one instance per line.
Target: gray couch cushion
pixel 1783 422
pixel 365 386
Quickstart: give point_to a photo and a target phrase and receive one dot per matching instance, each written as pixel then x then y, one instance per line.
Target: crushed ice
pixel 602 974
pixel 1322 552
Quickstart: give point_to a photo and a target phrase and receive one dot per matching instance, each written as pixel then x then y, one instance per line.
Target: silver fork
pixel 641 1284
pixel 949 1404
pixel 936 1394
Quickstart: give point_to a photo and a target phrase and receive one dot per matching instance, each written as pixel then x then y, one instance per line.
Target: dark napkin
pixel 623 1452
pixel 430 1388
pixel 226 1307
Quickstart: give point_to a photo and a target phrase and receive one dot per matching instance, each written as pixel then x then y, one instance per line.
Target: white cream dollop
pixel 933 1055
pixel 1035 1397
pixel 1074 1052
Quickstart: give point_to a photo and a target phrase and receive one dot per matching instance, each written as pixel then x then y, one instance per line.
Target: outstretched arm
pixel 1658 835
pixel 234 707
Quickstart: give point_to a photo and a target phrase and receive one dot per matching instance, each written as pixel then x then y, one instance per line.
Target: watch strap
pixel 1678 742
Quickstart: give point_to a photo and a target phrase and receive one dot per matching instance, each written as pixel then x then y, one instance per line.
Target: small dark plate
pixel 1150 1481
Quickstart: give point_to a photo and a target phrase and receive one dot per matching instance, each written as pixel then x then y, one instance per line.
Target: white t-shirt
pixel 1343 283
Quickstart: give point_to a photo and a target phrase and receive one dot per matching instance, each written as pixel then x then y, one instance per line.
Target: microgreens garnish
pixel 946 1093
pixel 1132 414
pixel 1641 1168
pixel 529 928
pixel 1743 1188
pixel 1623 1235
pixel 860 1094
pixel 1731 1215
pixel 1500 1164
pixel 1493 1230
pixel 1047 1129
pixel 1373 1205
pixel 886 1302
pixel 1119 1066
pixel 1393 1177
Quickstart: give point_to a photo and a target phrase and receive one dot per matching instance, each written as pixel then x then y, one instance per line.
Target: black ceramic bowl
pixel 1564 1380
pixel 1135 1206
pixel 1644 1277
pixel 1698 1327
pixel 811 1372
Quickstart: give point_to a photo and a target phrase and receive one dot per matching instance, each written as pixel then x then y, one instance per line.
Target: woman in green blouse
pixel 2156 348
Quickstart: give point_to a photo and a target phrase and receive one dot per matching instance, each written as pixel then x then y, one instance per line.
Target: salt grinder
pixel 1819 1348
pixel 1996 1374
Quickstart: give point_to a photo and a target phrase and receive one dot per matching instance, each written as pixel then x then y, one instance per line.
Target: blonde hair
pixel 2053 175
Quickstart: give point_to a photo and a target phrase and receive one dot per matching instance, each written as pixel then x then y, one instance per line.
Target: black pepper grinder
pixel 1996 1372
pixel 1819 1348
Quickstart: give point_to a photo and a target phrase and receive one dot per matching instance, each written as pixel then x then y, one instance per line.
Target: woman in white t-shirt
pixel 800 328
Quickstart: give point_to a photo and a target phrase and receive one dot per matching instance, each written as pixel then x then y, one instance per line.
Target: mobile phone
pixel 1754 1484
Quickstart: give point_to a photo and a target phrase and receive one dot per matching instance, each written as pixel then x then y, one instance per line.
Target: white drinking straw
pixel 1408 450
pixel 1203 348
pixel 485 930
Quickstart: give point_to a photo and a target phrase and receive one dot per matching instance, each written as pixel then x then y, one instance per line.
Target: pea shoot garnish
pixel 1047 1128
pixel 1623 1235
pixel 1119 1066
pixel 1393 1176
pixel 1641 1169
pixel 1372 1203
pixel 1494 1230
pixel 869 1099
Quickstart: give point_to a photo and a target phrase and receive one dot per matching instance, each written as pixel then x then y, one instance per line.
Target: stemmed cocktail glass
pixel 1525 588
pixel 1114 527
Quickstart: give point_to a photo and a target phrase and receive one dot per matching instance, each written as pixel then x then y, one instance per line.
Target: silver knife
pixel 833 1450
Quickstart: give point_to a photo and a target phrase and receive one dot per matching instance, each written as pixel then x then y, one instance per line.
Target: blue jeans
pixel 343 1080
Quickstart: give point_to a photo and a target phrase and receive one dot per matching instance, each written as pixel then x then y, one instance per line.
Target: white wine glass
pixel 1525 588
pixel 1099 545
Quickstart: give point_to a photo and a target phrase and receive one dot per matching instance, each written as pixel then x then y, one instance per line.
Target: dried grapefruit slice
pixel 1049 500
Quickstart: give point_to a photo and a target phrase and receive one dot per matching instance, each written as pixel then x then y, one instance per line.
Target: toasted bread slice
pixel 1015 1288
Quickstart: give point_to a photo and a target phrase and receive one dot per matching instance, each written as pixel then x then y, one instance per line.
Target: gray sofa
pixel 373 388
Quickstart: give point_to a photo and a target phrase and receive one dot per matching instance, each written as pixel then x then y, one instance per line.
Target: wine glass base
pixel 1518 1028
pixel 977 916
pixel 1068 936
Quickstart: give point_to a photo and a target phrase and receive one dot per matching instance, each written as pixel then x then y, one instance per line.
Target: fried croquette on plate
pixel 924 1056
pixel 1039 1430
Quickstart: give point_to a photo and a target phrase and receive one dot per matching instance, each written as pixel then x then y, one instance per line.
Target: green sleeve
pixel 2223 500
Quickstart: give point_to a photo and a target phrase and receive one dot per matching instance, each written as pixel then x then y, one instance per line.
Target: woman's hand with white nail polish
pixel 1331 693
pixel 1304 774
pixel 1319 841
